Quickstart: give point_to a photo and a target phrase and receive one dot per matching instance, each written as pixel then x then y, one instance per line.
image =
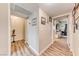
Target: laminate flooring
pixel 58 48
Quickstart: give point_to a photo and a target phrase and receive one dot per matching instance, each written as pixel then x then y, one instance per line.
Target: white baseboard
pixel 33 51
pixel 72 51
pixel 45 48
pixel 37 53
pixel 3 53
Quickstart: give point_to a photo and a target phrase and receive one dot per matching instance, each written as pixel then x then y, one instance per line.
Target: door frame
pixel 67 14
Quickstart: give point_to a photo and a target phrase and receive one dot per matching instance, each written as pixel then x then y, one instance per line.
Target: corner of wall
pixel 45 48
pixel 33 51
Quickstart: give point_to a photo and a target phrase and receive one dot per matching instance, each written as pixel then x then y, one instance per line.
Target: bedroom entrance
pixel 60 27
pixel 19 31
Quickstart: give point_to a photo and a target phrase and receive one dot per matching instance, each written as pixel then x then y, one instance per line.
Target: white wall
pixel 18 24
pixel 76 36
pixel 76 43
pixel 73 38
pixel 4 29
pixel 70 32
pixel 44 31
pixel 76 39
pixel 33 33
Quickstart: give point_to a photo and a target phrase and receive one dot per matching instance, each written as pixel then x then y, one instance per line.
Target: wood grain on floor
pixel 20 48
pixel 58 48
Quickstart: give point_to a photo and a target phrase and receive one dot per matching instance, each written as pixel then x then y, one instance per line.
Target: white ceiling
pixel 52 9
pixel 55 9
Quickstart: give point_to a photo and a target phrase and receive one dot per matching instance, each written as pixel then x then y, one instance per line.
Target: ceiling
pixel 55 9
pixel 52 9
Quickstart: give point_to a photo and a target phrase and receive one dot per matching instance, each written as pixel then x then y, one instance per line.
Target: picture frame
pixel 43 20
pixel 34 21
pixel 75 15
pixel 77 24
pixel 50 19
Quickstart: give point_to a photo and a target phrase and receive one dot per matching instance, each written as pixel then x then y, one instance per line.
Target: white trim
pixel 61 15
pixel 45 48
pixel 4 53
pixel 72 51
pixel 9 30
pixel 33 50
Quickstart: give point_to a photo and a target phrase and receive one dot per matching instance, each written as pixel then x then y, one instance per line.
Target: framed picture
pixel 34 21
pixel 77 24
pixel 75 14
pixel 43 20
pixel 50 19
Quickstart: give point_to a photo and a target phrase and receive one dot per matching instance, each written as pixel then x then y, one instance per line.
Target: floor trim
pixel 45 48
pixel 72 51
pixel 33 51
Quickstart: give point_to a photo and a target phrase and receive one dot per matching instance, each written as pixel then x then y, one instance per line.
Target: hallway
pixel 58 48
pixel 36 25
pixel 39 29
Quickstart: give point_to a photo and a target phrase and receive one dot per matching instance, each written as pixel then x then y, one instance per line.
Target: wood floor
pixel 20 48
pixel 58 48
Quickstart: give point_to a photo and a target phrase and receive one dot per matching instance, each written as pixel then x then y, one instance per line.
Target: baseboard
pixel 45 48
pixel 72 51
pixel 33 51
pixel 3 53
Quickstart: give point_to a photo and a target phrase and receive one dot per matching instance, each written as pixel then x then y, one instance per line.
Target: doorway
pixel 18 27
pixel 19 31
pixel 18 35
pixel 60 28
